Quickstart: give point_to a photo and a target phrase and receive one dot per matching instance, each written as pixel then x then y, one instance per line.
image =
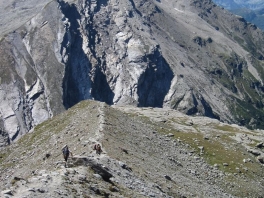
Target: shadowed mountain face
pixel 187 55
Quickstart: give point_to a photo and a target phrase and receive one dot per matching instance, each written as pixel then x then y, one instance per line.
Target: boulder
pixel 216 165
pixel 254 152
pixel 97 168
pixel 247 160
pixel 113 189
pixel 124 166
pixel 167 177
pixel 7 192
pixel 201 149
pixel 260 159
pixel 170 135
pixel 260 145
pixel 206 138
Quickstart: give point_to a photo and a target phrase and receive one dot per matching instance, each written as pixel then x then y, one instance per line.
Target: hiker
pixel 66 152
pixel 98 148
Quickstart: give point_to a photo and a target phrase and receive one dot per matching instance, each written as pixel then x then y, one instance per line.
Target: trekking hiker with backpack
pixel 66 153
pixel 98 149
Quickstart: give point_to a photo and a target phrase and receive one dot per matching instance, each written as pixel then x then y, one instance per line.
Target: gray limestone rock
pixel 254 152
pixel 260 145
pixel 7 192
pixel 260 159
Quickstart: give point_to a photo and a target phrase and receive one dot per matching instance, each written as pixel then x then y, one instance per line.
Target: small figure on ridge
pixel 66 152
pixel 98 148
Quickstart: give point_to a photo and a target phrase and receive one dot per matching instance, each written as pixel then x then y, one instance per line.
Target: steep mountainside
pixel 147 152
pixel 187 55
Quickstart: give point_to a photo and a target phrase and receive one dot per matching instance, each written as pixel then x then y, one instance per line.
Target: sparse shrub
pixel 209 40
pixel 199 41
pixel 15 179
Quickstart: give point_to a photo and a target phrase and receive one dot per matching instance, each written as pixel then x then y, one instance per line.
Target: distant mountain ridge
pixel 252 11
pixel 254 16
pixel 236 4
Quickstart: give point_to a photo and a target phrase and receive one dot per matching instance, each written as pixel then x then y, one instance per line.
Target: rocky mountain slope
pixel 147 152
pixel 187 55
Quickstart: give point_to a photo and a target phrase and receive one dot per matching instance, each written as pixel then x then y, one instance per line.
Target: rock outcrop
pixel 186 55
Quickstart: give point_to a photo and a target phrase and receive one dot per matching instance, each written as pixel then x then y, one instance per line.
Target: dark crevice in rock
pixel 32 86
pixel 4 138
pixel 35 96
pixel 155 82
pixel 90 28
pixel 76 82
pixel 194 109
pixel 15 135
pixel 176 102
pixel 101 90
pixel 27 115
pixel 208 110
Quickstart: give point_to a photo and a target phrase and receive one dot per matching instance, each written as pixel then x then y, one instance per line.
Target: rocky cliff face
pixel 187 55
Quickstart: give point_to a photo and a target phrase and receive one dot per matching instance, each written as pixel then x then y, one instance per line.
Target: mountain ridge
pixel 186 55
pixel 147 152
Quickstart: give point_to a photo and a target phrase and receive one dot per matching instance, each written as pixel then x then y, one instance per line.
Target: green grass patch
pixel 8 165
pixel 43 132
pixel 225 128
pixel 239 40
pixel 247 111
pixel 217 150
pixel 3 155
pixel 259 65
